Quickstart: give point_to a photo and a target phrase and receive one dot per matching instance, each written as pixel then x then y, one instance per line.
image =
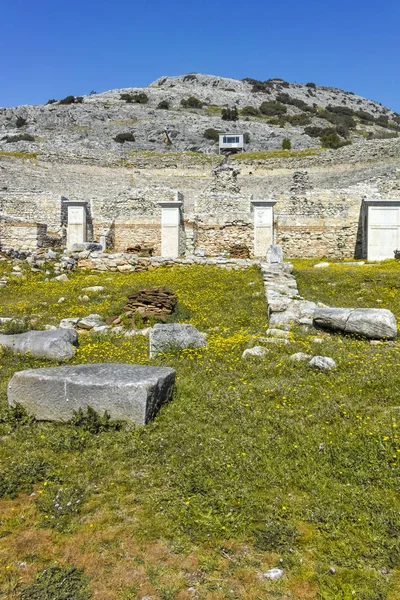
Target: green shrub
pixel 332 140
pixel 13 417
pixel 250 111
pixel 21 137
pixel 301 119
pixel 126 97
pixel 79 100
pixel 20 122
pixel 311 85
pixel 67 100
pixel 16 326
pixel 272 108
pixel 341 110
pixel 211 134
pixel 164 105
pixel 51 101
pixel 19 477
pixel 92 422
pixel 140 98
pixel 191 102
pixel 318 131
pixel 229 114
pixel 286 99
pixel 57 583
pixel 286 144
pixel 190 77
pixel 382 120
pixel 121 138
pixel 246 137
pixel 364 115
pixel 276 536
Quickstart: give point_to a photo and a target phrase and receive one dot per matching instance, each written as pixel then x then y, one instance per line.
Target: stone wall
pixel 16 233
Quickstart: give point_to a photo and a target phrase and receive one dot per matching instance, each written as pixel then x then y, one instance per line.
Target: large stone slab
pixel 128 392
pixel 372 323
pixel 172 336
pixel 56 344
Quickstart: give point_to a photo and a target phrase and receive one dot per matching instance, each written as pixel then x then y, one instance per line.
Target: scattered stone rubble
pixel 56 344
pixel 155 303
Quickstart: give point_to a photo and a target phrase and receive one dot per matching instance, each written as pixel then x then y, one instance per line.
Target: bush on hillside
pixel 311 85
pixel 332 140
pixel 67 100
pixel 286 144
pixel 246 137
pixel 20 122
pixel 140 98
pixel 21 137
pixel 121 138
pixel 284 98
pixel 272 109
pixel 382 120
pixel 191 102
pixel 341 110
pixel 250 111
pixel 364 115
pixel 164 105
pixel 229 114
pixel 51 101
pixel 211 134
pixel 319 131
pixel 79 100
pixel 301 119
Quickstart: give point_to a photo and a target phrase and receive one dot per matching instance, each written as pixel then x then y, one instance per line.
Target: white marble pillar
pixel 76 232
pixel 263 226
pixel 170 228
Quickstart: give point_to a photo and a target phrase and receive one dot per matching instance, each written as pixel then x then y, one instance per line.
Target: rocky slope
pixel 87 128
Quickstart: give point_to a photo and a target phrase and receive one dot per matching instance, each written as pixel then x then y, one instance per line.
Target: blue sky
pixel 50 49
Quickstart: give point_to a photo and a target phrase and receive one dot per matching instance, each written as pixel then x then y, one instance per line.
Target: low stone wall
pixel 16 233
pixel 332 241
pixel 102 261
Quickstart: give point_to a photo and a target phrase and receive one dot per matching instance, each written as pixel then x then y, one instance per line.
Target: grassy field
pixel 255 464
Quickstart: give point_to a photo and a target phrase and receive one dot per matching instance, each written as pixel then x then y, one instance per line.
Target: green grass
pixel 253 462
pixel 265 154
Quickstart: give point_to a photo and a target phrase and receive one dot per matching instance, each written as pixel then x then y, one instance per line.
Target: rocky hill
pixel 184 113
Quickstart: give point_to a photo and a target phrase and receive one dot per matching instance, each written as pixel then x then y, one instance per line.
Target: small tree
pixel 67 100
pixel 272 108
pixel 229 114
pixel 191 102
pixel 211 134
pixel 332 140
pixel 164 104
pixel 20 122
pixel 124 137
pixel 250 111
pixel 286 144
pixel 140 98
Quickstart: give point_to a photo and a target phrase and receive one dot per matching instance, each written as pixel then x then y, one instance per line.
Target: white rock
pixel 95 288
pixel 61 277
pixel 274 574
pixel 279 333
pixel 256 351
pixel 300 356
pixel 61 300
pixel 69 323
pixel 322 265
pixel 323 362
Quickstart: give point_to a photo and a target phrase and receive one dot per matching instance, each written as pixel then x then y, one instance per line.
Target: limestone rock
pixel 275 254
pixel 172 336
pixel 256 351
pixel 372 323
pixel 94 288
pixel 299 356
pixel 279 333
pixel 322 265
pixel 325 363
pixel 62 277
pixel 128 392
pixel 274 574
pixel 56 344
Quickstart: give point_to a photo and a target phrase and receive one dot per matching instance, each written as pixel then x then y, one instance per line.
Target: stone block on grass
pixel 55 344
pixel 372 323
pixel 175 336
pixel 127 392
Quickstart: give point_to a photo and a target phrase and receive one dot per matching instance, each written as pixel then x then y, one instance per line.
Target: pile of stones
pixel 155 303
